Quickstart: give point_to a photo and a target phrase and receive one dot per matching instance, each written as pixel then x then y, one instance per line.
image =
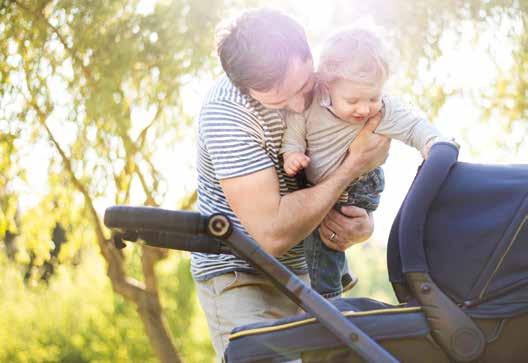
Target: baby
pixel 352 72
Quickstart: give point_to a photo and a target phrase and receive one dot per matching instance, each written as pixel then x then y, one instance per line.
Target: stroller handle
pixel 154 219
pixel 180 241
pixel 143 221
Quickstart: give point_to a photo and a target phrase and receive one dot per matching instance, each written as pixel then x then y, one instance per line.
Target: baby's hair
pixel 354 54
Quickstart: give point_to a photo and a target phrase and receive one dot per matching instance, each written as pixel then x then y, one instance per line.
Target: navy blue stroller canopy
pixel 467 227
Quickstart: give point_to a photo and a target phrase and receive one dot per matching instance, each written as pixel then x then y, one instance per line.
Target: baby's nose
pixel 363 110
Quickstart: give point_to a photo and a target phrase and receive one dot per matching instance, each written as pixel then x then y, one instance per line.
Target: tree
pixel 75 74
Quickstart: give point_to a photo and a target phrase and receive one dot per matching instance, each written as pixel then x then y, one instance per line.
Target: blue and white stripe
pixel 236 136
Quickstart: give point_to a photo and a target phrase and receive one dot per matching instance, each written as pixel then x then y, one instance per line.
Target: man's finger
pixel 333 227
pixel 325 234
pixel 372 123
pixel 341 219
pixel 351 230
pixel 353 211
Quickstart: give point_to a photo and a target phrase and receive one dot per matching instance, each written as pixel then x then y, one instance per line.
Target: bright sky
pixel 464 64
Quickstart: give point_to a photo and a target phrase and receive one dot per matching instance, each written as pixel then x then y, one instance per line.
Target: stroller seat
pixel 400 329
pixel 303 337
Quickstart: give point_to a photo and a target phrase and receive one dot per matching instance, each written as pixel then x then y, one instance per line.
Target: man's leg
pixel 238 298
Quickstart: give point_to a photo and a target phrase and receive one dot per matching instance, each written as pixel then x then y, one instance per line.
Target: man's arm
pixel 278 222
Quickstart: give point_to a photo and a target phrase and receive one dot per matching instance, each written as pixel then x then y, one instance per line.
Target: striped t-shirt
pixel 236 136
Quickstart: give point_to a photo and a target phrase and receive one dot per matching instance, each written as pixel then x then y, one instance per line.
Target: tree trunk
pixel 150 312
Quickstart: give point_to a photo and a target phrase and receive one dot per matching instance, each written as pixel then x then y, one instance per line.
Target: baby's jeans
pixel 325 265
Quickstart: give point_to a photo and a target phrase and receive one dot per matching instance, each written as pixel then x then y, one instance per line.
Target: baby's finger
pixel 298 165
pixel 289 169
pixel 305 161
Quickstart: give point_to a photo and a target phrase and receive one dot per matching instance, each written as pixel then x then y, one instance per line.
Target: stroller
pixel 457 258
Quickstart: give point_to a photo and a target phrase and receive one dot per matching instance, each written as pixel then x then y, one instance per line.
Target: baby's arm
pixel 294 162
pixel 294 144
pixel 402 122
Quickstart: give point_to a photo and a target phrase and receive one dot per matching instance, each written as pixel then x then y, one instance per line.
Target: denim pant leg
pixel 365 193
pixel 325 266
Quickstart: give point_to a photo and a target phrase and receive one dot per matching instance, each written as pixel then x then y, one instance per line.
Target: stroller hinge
pixel 451 328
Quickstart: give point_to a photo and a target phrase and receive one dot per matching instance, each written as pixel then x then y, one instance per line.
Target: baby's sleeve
pixel 294 138
pixel 402 122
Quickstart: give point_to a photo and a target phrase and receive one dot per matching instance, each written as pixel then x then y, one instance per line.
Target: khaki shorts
pixel 238 298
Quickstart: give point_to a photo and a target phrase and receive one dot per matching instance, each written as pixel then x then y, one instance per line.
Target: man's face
pixel 295 92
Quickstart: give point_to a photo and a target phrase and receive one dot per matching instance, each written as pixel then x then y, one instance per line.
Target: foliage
pixel 367 262
pixel 97 84
pixel 77 318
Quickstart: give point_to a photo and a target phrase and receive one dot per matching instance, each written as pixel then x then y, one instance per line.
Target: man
pixel 269 68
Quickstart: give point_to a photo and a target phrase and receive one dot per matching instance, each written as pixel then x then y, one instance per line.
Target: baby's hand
pixel 294 162
pixel 427 147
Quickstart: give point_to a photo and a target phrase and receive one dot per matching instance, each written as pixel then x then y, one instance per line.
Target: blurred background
pixel 98 102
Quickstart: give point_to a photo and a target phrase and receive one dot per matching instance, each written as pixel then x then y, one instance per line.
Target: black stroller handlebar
pixel 172 240
pixel 180 230
pixel 155 219
pixel 158 226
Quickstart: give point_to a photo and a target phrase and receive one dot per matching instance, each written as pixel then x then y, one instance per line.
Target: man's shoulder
pixel 223 91
pixel 227 104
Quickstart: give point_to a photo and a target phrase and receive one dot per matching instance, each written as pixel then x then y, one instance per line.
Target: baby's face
pixel 354 102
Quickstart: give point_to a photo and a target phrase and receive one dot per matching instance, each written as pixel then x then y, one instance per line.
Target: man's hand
pixel 353 225
pixel 294 162
pixel 369 150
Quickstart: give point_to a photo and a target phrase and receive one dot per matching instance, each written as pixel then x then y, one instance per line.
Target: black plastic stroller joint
pixel 219 226
pixel 451 327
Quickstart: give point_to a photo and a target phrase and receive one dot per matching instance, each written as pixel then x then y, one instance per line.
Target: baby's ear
pixel 326 101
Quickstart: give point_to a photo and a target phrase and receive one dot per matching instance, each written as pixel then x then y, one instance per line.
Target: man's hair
pixel 257 47
pixel 353 54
